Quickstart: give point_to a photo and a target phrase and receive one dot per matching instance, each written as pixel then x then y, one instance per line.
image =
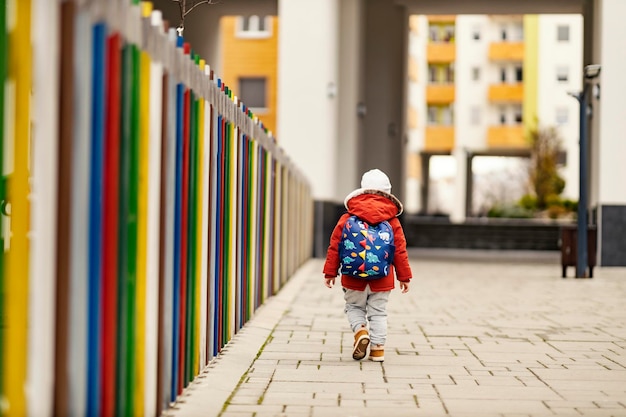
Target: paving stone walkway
pixel 479 334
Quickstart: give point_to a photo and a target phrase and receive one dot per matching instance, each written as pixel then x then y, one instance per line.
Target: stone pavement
pixel 479 334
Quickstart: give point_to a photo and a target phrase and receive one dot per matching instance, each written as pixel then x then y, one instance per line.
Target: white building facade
pixel 356 98
pixel 477 85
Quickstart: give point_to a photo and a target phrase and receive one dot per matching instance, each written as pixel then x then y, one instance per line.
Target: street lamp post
pixel 590 72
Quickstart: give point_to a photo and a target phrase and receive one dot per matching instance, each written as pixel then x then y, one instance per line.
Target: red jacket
pixel 373 208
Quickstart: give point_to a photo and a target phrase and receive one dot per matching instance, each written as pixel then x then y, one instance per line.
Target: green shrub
pixel 553 200
pixel 570 205
pixel 528 202
pixel 510 212
pixel 556 211
pixel 543 169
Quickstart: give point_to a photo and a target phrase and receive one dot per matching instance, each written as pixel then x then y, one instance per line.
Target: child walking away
pixel 366 246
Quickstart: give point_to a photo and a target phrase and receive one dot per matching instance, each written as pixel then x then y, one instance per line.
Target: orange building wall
pixel 245 57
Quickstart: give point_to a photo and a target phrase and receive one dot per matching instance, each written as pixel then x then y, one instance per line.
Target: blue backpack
pixel 365 250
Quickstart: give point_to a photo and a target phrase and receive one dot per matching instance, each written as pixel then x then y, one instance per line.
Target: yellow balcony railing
pixel 506 51
pixel 441 52
pixel 511 93
pixel 413 69
pixel 439 138
pixel 412 117
pixel 506 137
pixel 441 18
pixel 440 93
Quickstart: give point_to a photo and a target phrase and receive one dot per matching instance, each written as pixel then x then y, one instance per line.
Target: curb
pixel 224 373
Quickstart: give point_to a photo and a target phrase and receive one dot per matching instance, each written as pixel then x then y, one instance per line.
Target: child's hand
pixel 404 286
pixel 329 282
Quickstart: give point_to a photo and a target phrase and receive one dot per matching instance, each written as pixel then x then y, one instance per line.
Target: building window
pixel 446 116
pixel 562 115
pixel 253 24
pixel 433 33
pixel 518 32
pixel 503 34
pixel 441 74
pixel 449 71
pixel 433 118
pixel 517 114
pixel 253 92
pixel 441 33
pixel 562 74
pixel 503 75
pixel 502 116
pixel 440 115
pixel 476 74
pixel 519 74
pixel 432 74
pixel 476 33
pixel 448 33
pixel 562 33
pixel 254 27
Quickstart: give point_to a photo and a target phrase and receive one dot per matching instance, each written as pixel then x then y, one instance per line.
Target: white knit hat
pixel 375 181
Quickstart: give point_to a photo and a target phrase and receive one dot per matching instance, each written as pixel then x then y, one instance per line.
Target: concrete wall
pixel 308 71
pixel 470 95
pixel 553 95
pixel 351 95
pixel 416 112
pixel 608 148
pixel 610 110
pixel 383 143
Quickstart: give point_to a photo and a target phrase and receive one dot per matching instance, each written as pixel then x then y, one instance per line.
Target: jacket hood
pixel 373 206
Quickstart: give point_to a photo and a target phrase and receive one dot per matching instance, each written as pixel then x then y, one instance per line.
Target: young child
pixel 366 300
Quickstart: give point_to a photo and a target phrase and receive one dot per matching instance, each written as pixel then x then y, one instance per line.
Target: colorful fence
pixel 145 212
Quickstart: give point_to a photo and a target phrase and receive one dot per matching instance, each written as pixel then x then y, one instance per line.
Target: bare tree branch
pixel 184 11
pixel 198 4
pixel 181 7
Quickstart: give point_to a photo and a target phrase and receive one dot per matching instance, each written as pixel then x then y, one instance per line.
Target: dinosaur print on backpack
pixel 366 251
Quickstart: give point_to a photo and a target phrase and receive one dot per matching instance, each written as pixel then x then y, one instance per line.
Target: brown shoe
pixel 377 353
pixel 361 340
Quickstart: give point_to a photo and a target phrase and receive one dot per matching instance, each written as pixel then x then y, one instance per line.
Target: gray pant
pixel 364 306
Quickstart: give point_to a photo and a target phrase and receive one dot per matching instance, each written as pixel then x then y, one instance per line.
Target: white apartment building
pixel 342 93
pixel 477 85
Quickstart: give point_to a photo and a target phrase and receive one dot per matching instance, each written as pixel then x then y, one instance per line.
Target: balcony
pixel 442 18
pixel 412 117
pixel 506 51
pixel 509 137
pixel 439 138
pixel 441 52
pixel 440 93
pixel 506 93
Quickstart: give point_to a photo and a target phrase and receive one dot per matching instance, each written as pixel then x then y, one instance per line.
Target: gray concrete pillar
pixel 608 122
pixel 383 140
pixel 308 72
